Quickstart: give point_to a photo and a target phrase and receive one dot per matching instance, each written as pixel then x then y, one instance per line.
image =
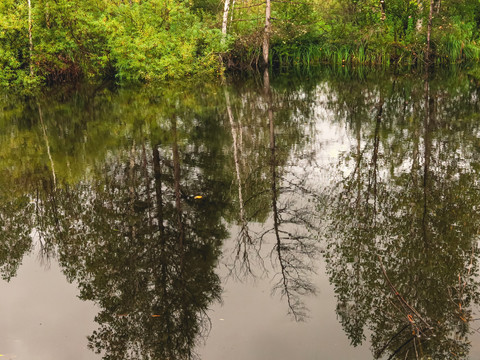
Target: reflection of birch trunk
pixel 157 172
pixel 358 125
pixel 415 153
pixel 376 145
pixel 274 189
pixel 240 140
pixel 427 155
pixel 243 220
pixel 415 165
pixel 176 179
pixel 359 161
pixel 147 182
pixel 131 187
pixel 47 144
pixel 245 245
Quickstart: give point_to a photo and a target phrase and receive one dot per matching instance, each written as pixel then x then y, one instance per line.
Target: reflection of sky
pixel 327 140
pixel 42 319
pixel 41 316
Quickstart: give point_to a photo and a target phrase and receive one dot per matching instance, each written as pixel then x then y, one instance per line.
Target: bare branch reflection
pixel 288 230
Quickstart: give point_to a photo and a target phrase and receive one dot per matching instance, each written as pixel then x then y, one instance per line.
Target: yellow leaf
pixel 198 197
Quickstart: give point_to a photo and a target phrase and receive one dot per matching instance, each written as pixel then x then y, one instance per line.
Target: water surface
pixel 332 215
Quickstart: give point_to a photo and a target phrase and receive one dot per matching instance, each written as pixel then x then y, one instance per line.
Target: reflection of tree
pixel 145 250
pixel 245 244
pixel 28 198
pixel 404 262
pixel 15 225
pixel 121 214
pixel 293 243
pixel 266 182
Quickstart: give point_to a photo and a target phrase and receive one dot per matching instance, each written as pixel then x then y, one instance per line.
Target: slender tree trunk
pixel 30 40
pixel 429 32
pixel 382 9
pixel 420 14
pixel 231 10
pixel 268 28
pixel 226 8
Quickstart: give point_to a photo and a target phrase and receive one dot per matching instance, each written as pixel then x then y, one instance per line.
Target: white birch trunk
pixel 226 8
pixel 30 40
pixel 382 9
pixel 266 34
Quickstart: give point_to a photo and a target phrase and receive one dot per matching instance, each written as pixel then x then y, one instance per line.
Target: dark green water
pixel 329 216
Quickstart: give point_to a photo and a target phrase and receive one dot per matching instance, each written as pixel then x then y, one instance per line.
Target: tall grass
pixel 448 51
pixel 311 54
pixel 453 51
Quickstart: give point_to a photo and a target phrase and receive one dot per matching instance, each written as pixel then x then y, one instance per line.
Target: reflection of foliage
pixel 152 276
pixel 121 215
pixel 15 227
pixel 407 224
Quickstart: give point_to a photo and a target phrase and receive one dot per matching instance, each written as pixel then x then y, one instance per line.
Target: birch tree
pixel 268 29
pixel 226 8
pixel 30 39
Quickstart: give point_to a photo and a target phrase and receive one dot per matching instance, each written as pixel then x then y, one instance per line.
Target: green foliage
pixel 356 32
pixel 142 40
pixel 156 40
pixel 13 43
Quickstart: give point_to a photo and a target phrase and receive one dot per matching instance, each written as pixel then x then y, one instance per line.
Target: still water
pixel 328 216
